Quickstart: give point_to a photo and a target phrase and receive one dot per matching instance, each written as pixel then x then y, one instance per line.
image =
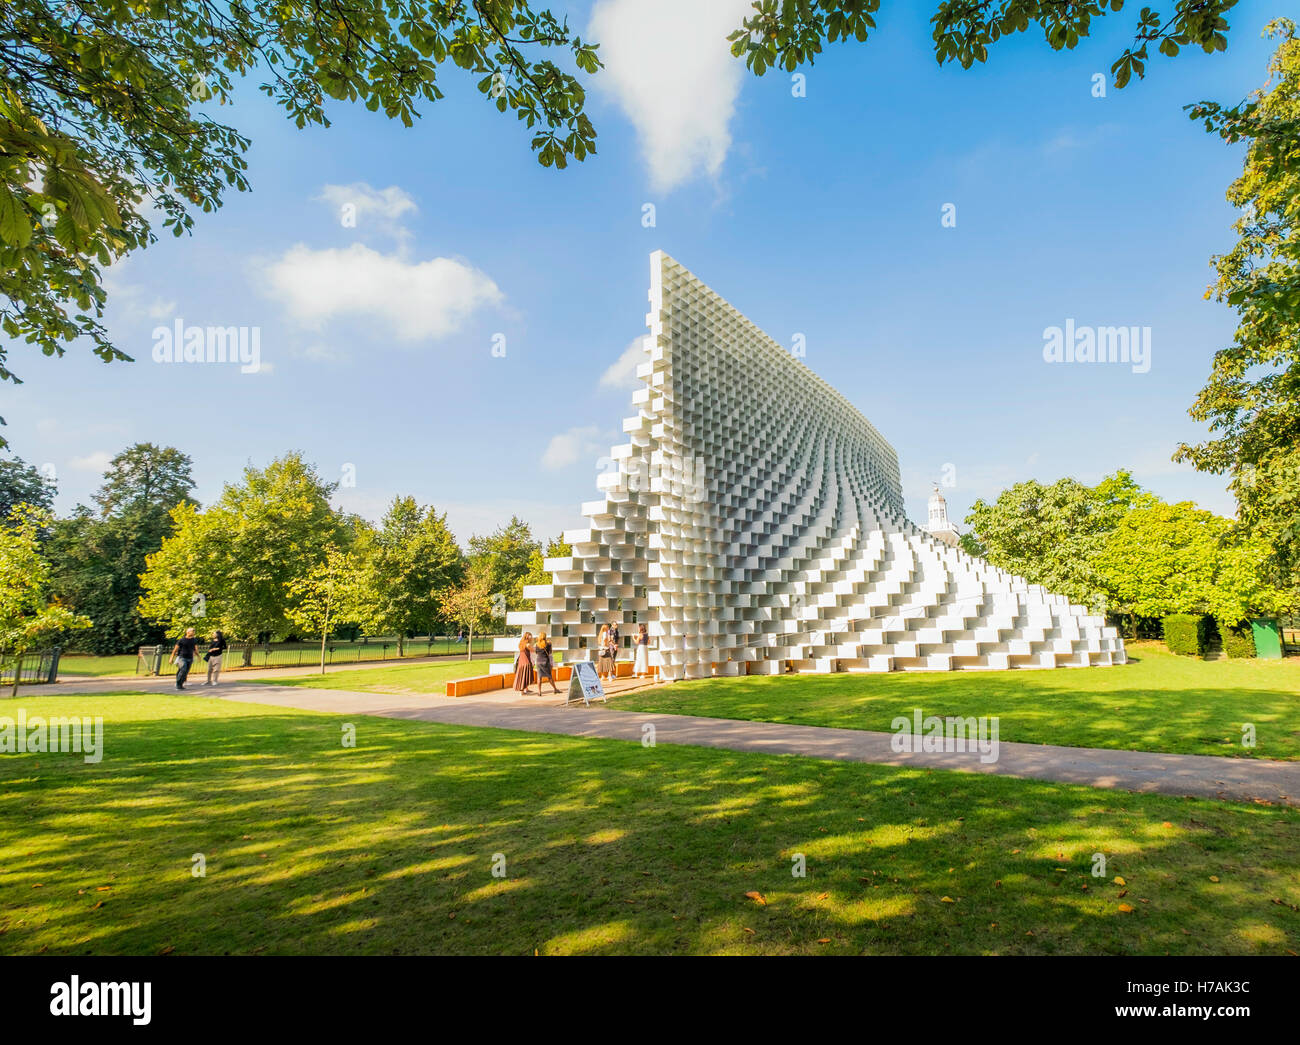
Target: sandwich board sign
pixel 584 684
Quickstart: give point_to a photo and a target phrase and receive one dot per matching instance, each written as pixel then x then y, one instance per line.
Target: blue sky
pixel 816 215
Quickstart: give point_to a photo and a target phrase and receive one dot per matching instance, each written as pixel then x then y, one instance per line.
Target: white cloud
pixel 669 66
pixel 161 309
pixel 97 461
pixel 370 208
pixel 416 300
pixel 622 372
pixel 568 448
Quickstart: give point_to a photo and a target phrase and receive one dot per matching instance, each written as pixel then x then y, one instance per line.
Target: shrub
pixel 1238 639
pixel 1186 633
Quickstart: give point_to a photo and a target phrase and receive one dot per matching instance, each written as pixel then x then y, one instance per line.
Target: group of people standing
pixel 536 662
pixel 183 656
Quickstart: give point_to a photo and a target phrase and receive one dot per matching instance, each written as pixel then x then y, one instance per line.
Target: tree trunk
pixel 401 644
pixel 324 631
pixel 469 654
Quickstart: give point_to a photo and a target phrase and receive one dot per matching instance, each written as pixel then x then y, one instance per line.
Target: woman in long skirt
pixel 641 664
pixel 524 664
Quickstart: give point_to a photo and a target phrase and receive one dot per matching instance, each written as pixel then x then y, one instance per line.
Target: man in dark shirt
pixel 183 656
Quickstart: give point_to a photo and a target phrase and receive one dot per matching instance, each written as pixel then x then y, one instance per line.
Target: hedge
pixel 1186 633
pixel 1238 639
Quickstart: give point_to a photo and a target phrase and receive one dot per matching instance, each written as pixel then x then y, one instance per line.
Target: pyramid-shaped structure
pixel 754 520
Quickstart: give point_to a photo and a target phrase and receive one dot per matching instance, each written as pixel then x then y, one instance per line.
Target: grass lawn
pixel 610 847
pixel 400 678
pixel 86 665
pixel 1158 702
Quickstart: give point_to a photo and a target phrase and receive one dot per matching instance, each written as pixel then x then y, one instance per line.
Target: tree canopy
pixel 784 34
pixel 228 567
pixel 108 117
pixel 1252 398
pixel 1050 535
pixel 22 483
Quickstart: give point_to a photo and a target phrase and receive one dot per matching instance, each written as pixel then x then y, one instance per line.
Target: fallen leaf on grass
pixel 946 899
pixel 824 939
pixel 103 888
pixel 750 931
pixel 1214 878
pixel 756 896
pixel 1126 908
pixel 1123 893
pixel 1119 880
pixel 167 950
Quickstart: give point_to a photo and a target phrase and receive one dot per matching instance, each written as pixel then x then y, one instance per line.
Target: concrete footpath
pixel 1206 776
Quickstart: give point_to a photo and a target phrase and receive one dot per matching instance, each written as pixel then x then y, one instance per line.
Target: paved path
pixel 1206 776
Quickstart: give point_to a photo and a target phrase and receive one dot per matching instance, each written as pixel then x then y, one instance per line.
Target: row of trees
pixel 271 558
pixel 1121 550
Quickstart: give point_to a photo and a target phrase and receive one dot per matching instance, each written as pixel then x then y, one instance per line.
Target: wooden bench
pixel 477 684
pixel 487 683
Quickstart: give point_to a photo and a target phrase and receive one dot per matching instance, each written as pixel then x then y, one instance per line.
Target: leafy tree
pixel 22 483
pixel 505 557
pixel 146 477
pixel 106 112
pixel 332 590
pixel 471 602
pixel 1252 398
pixel 230 566
pixel 1177 558
pixel 98 559
pixel 786 33
pixel 414 556
pixel 1050 535
pixel 28 615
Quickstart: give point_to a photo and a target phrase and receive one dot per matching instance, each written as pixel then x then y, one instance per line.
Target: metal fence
pixel 36 666
pixel 155 660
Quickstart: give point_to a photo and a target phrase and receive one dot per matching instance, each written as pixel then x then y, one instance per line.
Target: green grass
pixel 401 678
pixel 610 847
pixel 86 665
pixel 1159 702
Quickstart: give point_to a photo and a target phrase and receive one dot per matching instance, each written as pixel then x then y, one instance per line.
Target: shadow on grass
pixel 608 847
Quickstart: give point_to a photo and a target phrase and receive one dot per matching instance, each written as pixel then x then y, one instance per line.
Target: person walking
pixel 216 647
pixel 183 656
pixel 641 663
pixel 524 664
pixel 544 663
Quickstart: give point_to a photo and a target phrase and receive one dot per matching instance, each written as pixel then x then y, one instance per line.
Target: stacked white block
pixel 754 520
